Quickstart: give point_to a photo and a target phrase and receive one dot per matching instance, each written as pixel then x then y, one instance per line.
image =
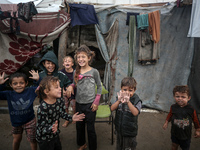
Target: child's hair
pixel 17 75
pixel 46 83
pixel 181 89
pixel 89 53
pixel 130 82
pixel 68 57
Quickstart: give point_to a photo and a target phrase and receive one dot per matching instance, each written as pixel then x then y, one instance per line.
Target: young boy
pixel 68 63
pixel 127 106
pixel 49 65
pixel 181 116
pixel 20 104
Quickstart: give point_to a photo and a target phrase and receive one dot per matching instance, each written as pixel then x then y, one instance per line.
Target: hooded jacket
pixel 50 56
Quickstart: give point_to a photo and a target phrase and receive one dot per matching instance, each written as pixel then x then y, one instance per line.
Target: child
pixel 68 63
pixel 20 104
pixel 87 100
pixel 49 65
pixel 181 116
pixel 51 109
pixel 127 106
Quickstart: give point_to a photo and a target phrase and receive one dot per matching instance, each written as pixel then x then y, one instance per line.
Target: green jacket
pixel 50 56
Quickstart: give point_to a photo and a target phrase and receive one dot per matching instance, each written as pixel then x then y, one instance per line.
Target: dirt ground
pixel 151 136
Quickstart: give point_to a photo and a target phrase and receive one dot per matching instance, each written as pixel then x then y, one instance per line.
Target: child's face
pixel 181 98
pixel 55 91
pixel 131 91
pixel 68 63
pixel 50 66
pixel 18 84
pixel 83 59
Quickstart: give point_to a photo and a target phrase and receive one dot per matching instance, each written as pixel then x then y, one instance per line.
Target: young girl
pixel 87 100
pixel 49 112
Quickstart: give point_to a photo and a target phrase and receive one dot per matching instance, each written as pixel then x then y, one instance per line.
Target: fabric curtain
pixel 107 44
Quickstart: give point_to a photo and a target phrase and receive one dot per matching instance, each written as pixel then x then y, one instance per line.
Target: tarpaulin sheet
pixel 194 80
pixel 194 30
pixel 155 82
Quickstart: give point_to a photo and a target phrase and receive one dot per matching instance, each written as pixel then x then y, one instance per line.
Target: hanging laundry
pixel 10 11
pixel 4 15
pixel 12 8
pixel 26 11
pixel 154 25
pixel 131 14
pixel 142 21
pixel 82 14
pixel 149 51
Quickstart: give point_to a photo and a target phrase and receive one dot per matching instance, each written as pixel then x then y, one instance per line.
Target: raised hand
pixel 55 127
pixel 2 80
pixel 35 75
pixel 126 97
pixel 77 117
pixel 120 96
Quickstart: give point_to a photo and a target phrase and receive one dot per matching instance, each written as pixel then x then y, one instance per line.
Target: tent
pixel 155 81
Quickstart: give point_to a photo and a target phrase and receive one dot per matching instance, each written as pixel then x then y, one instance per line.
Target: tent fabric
pixel 194 30
pixel 107 42
pixel 16 50
pixel 155 82
pixel 194 79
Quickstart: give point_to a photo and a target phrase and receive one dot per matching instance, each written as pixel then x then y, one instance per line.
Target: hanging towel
pixel 82 14
pixel 154 25
pixel 142 21
pixel 131 14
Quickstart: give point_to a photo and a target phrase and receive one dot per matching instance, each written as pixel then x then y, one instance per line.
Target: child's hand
pixel 165 125
pixel 35 75
pixel 70 91
pixel 55 127
pixel 77 117
pixel 64 92
pixel 120 96
pixel 94 107
pixel 2 80
pixel 126 97
pixel 197 134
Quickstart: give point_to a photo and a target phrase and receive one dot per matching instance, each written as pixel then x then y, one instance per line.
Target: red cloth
pixel 10 8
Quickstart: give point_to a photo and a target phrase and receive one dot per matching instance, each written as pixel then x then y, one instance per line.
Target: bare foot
pixel 65 124
pixel 83 147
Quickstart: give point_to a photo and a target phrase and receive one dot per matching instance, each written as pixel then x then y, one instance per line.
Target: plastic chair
pixel 105 112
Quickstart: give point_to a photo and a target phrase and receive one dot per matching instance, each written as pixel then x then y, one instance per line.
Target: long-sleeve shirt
pixel 181 119
pixel 20 105
pixel 86 87
pixel 47 115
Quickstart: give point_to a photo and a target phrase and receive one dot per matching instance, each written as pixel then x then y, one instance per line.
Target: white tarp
pixel 5 2
pixel 122 1
pixel 194 30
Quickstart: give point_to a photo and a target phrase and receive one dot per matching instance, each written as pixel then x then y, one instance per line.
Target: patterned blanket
pixel 16 50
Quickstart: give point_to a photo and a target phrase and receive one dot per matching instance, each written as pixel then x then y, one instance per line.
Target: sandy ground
pixel 151 136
